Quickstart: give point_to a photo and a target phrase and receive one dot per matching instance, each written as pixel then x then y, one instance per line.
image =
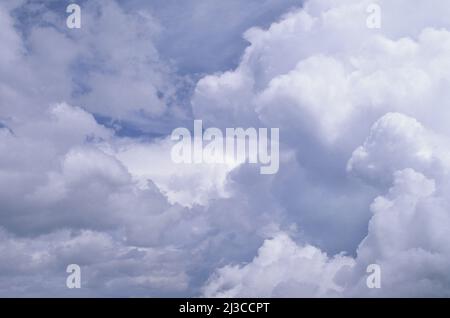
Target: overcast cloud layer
pixel 86 176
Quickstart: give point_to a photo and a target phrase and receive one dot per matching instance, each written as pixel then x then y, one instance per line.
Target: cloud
pixel 301 70
pixel 110 66
pixel 287 268
pixel 206 36
pixel 406 237
pixel 66 176
pixel 37 266
pixel 407 144
pixel 184 184
pixel 364 157
pixel 325 79
pixel 65 200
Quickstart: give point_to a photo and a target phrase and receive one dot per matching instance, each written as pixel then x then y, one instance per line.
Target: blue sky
pixel 86 176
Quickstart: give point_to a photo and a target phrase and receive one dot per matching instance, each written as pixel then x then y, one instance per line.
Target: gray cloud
pixel 364 158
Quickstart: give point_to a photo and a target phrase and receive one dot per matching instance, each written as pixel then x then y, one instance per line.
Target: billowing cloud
pixel 407 238
pixel 86 175
pixel 182 183
pixel 287 268
pixel 407 144
pixel 329 82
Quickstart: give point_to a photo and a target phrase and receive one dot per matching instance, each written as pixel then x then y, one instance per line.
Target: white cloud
pixel 320 72
pixel 342 94
pixel 110 66
pixel 407 237
pixel 281 269
pixel 185 184
pixel 325 79
pixel 397 142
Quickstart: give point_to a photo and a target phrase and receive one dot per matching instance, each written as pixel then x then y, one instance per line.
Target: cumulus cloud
pixel 110 66
pixel 318 65
pixel 281 268
pixel 364 156
pixel 65 200
pixel 182 183
pixel 407 144
pixel 407 238
pixel 325 78
pixel 65 173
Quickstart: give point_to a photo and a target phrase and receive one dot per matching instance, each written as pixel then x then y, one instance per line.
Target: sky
pixel 86 175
